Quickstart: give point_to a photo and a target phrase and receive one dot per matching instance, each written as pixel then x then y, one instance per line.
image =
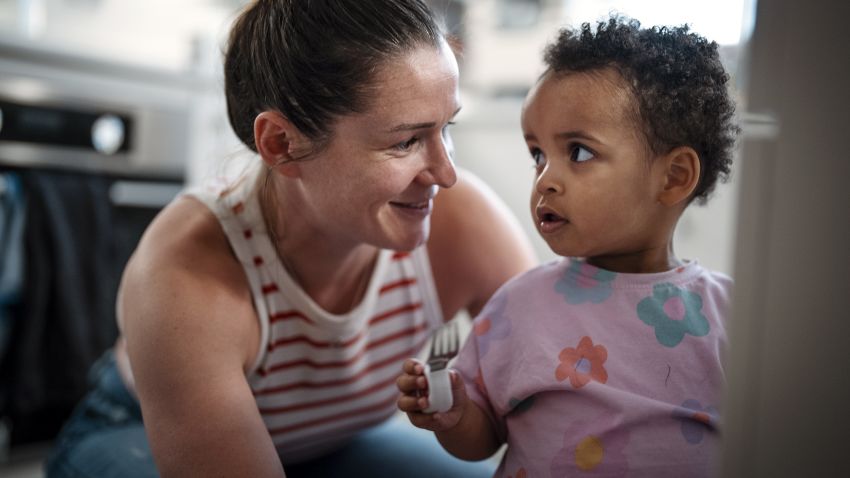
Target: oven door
pixel 73 210
pixel 76 230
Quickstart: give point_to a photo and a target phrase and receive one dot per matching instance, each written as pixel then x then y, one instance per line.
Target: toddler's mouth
pixel 549 220
pixel 546 214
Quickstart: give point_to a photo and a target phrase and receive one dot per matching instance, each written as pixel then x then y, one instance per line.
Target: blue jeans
pixel 105 438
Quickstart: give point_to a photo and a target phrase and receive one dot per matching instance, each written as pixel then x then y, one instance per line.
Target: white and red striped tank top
pixel 321 377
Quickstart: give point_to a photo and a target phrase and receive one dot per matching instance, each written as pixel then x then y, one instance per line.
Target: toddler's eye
pixel 580 154
pixel 538 158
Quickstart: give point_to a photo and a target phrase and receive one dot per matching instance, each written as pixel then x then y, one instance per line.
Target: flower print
pixel 696 420
pixel 492 324
pixel 592 448
pixel 673 312
pixel 583 282
pixel 582 364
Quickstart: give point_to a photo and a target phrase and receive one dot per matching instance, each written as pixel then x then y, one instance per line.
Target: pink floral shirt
pixel 587 372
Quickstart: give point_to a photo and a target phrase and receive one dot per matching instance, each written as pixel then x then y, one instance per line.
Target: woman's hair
pixel 677 79
pixel 313 61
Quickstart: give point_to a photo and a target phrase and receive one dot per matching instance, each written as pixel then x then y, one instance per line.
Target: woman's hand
pixel 414 388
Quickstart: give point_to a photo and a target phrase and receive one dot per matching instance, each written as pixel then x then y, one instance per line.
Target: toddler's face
pixel 595 192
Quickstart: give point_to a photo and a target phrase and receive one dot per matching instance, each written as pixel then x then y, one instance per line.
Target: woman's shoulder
pixel 185 236
pixel 183 282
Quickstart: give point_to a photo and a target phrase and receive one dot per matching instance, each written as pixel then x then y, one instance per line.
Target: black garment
pixel 77 244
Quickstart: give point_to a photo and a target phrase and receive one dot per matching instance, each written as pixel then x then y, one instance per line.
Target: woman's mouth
pixel 418 209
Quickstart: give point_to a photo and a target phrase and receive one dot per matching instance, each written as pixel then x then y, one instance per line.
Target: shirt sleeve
pixel 472 367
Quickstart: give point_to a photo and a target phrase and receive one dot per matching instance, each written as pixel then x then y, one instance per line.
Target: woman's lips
pixel 420 209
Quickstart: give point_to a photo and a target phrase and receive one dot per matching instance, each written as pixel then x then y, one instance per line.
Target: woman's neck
pixel 335 273
pixel 336 280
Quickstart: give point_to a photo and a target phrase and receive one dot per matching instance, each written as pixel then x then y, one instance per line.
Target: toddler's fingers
pixel 413 367
pixel 410 404
pixel 410 384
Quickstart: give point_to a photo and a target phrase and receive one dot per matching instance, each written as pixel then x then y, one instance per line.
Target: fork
pixel 444 346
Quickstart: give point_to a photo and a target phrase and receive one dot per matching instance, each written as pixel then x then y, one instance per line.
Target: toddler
pixel 606 362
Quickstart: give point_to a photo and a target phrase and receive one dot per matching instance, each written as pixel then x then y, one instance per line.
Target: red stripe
pixel 258 261
pixel 315 343
pixel 269 288
pixel 331 418
pixel 330 401
pixel 393 312
pixel 351 361
pixel 247 233
pixel 289 314
pixel 343 381
pixel 400 283
pixel 400 255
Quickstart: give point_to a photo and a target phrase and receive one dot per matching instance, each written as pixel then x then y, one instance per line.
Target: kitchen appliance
pixel 90 152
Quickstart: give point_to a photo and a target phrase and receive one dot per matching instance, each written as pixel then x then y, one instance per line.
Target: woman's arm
pixel 191 333
pixel 476 244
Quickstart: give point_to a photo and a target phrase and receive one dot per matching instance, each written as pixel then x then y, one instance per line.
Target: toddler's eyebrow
pixel 579 134
pixel 415 126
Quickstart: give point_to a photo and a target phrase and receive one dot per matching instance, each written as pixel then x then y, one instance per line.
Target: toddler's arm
pixel 465 431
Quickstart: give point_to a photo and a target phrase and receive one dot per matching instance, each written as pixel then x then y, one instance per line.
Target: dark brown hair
pixel 313 60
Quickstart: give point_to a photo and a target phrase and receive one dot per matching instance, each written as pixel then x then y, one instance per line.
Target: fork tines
pixel 444 346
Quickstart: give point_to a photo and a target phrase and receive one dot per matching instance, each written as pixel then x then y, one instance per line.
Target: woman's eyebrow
pixel 416 126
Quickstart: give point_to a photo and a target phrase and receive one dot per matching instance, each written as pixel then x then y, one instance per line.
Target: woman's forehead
pixel 420 86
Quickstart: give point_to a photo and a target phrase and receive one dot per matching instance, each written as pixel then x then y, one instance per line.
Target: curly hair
pixel 677 79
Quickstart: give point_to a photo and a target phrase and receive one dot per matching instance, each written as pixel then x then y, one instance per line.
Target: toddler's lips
pixel 549 220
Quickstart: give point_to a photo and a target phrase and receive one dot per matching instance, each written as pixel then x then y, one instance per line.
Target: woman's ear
pixel 681 175
pixel 278 142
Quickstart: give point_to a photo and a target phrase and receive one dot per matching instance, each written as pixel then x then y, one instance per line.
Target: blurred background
pixel 108 108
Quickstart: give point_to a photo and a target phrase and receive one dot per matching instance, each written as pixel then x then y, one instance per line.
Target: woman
pixel 263 322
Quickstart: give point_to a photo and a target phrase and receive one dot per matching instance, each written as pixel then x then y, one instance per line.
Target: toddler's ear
pixel 279 142
pixel 682 172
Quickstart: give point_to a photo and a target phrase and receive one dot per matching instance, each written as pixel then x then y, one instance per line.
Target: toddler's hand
pixel 414 398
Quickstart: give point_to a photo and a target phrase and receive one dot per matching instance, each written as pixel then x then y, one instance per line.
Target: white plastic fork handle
pixel 439 390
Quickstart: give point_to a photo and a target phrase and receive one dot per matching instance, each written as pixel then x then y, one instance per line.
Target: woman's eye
pixel 580 154
pixel 538 158
pixel 406 145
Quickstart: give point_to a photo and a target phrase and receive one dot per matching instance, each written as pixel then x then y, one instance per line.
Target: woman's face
pixel 376 179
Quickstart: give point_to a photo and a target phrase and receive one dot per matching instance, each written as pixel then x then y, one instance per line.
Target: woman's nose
pixel 441 168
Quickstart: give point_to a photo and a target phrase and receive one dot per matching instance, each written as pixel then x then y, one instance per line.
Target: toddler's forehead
pixel 603 92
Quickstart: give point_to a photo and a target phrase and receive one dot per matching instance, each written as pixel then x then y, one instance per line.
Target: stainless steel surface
pixel 159 103
pixel 444 346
